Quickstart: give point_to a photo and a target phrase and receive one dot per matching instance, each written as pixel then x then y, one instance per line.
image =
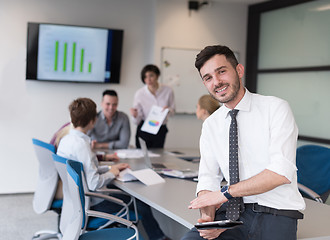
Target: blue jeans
pixel 256 226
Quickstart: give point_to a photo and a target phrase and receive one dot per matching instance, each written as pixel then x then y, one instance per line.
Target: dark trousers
pixel 147 219
pixel 256 226
pixel 152 141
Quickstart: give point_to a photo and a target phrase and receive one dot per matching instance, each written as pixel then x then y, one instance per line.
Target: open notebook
pixel 146 176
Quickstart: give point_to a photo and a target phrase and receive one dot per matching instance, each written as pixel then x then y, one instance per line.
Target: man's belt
pixel 263 209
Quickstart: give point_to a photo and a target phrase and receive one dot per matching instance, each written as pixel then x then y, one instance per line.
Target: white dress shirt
pixel 267 137
pixel 144 100
pixel 76 146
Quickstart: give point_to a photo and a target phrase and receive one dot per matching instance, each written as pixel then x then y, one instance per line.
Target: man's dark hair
pixel 149 68
pixel 209 51
pixel 110 92
pixel 82 111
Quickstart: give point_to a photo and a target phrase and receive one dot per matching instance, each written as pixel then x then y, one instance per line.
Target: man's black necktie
pixel 233 207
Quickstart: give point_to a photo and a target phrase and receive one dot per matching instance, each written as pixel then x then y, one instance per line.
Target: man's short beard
pixel 236 86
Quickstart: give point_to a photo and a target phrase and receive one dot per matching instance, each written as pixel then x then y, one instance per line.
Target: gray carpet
pixel 18 221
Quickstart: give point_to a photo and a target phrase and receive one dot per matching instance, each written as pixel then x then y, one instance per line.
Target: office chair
pixel 43 199
pixel 313 163
pixel 92 223
pixel 77 225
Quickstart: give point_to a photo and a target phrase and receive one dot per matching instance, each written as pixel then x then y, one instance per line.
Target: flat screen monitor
pixel 69 53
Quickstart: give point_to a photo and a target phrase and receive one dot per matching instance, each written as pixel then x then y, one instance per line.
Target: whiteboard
pixel 178 71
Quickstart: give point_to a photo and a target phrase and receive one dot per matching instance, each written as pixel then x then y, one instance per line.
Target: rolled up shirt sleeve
pixel 283 141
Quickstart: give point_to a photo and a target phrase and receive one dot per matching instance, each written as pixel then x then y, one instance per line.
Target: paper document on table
pixel 146 176
pixel 133 153
pixel 129 153
pixel 154 120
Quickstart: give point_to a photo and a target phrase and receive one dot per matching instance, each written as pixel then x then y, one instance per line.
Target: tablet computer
pixel 225 224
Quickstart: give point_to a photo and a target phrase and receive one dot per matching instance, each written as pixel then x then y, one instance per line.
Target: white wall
pixel 218 23
pixel 37 109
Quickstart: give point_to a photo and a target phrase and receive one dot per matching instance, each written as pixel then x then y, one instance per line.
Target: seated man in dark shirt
pixel 112 128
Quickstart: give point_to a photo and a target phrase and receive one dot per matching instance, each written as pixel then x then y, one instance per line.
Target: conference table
pixel 173 196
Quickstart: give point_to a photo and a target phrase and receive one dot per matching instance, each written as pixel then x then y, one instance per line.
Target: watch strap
pixel 225 192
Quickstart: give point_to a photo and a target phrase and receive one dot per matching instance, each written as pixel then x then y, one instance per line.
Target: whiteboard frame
pixel 185 99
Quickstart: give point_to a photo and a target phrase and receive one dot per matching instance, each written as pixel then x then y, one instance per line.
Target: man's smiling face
pixel 222 80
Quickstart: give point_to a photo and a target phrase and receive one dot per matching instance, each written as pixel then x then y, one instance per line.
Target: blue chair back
pixel 75 169
pixel 47 177
pixel 313 163
pixel 47 184
pixel 76 228
pixel 60 165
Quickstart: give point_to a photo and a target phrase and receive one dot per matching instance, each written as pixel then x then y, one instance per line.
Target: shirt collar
pixel 160 86
pixel 244 105
pixel 102 115
pixel 113 117
pixel 79 134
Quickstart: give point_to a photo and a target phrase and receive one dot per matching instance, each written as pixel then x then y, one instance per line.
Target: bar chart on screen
pixel 72 53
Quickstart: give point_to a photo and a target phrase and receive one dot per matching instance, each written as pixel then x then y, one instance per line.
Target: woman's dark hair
pixel 209 51
pixel 82 111
pixel 149 68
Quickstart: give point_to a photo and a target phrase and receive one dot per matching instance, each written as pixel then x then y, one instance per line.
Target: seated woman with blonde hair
pixel 206 106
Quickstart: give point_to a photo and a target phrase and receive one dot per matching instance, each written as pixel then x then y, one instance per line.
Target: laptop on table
pixel 154 166
pixel 164 168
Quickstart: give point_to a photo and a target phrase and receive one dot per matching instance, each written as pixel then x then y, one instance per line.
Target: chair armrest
pixel 106 197
pixel 115 191
pixel 125 211
pixel 98 214
pixel 111 190
pixel 310 192
pixel 114 218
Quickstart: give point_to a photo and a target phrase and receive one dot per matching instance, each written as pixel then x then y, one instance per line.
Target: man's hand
pixel 134 112
pixel 115 169
pixel 93 144
pixel 111 157
pixel 215 198
pixel 211 233
pixel 207 215
pixel 97 145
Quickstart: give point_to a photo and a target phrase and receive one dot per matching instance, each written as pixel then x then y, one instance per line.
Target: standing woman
pixel 153 93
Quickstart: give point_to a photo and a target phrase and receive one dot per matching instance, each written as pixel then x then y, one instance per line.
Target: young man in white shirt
pixel 267 135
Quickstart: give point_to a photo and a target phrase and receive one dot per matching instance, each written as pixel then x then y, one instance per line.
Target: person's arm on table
pixel 108 157
pixel 115 169
pixel 111 157
pixel 97 145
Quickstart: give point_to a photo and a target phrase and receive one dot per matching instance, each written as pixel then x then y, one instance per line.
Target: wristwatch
pixel 225 192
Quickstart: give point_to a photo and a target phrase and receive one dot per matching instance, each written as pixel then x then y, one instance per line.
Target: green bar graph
pixel 65 55
pixel 56 56
pixel 66 58
pixel 73 56
pixel 82 60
